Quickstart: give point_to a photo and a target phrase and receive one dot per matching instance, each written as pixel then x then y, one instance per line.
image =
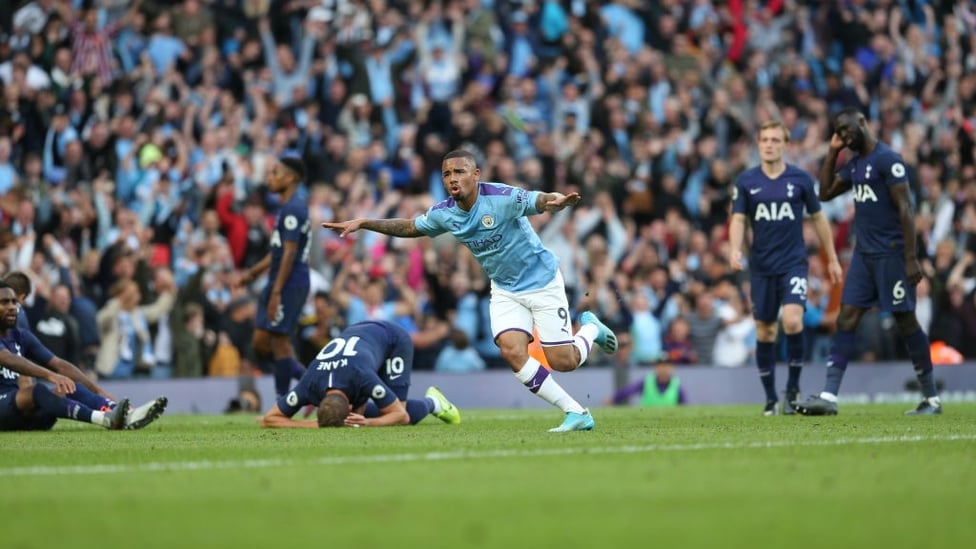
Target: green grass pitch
pixel 692 477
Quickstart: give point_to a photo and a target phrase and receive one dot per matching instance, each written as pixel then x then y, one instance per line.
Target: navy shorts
pixel 11 418
pixel 771 292
pixel 878 281
pixel 290 310
pixel 395 372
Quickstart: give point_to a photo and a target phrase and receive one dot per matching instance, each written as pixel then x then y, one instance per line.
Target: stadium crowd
pixel 135 139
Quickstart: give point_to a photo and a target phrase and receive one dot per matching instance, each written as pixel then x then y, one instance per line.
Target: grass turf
pixel 690 477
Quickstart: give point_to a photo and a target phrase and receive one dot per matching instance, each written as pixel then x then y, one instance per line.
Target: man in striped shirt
pixel 91 47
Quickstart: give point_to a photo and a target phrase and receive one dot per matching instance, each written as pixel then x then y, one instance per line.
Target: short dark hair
pixel 19 282
pixel 294 164
pixel 461 153
pixel 333 410
pixel 852 112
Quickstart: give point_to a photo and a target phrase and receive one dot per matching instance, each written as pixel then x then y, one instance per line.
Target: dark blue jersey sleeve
pixel 372 386
pixel 739 204
pixel 292 401
pixel 810 199
pixel 893 169
pixel 293 221
pixel 34 350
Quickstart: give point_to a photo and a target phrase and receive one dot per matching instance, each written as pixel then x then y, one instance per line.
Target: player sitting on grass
pixel 34 406
pixel 367 361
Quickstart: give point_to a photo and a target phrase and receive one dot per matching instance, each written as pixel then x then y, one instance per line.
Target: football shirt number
pixel 339 345
pixel 798 286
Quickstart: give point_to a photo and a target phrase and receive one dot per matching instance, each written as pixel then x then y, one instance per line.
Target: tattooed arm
pixel 404 228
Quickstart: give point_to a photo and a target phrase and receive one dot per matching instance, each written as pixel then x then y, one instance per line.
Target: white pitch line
pixel 206 465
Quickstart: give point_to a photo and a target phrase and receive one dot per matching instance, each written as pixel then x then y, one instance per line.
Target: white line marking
pixel 50 470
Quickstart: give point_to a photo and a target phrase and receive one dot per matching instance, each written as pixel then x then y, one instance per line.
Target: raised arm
pixel 554 202
pixel 831 184
pixel 403 228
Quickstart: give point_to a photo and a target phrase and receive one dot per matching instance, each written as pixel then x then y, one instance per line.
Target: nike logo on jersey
pixel 754 191
pixel 898 302
pixel 395 377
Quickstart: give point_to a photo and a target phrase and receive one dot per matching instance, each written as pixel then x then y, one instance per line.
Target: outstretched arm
pixel 276 419
pixel 394 414
pixel 19 364
pixel 556 201
pixel 69 370
pixel 256 270
pixel 403 228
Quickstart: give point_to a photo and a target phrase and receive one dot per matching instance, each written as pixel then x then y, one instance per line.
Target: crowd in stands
pixel 135 138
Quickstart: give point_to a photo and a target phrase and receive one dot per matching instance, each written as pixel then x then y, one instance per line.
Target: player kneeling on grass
pixel 35 407
pixel 361 378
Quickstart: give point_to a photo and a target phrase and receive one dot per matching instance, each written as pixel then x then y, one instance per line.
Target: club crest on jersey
pixel 789 190
pixel 487 221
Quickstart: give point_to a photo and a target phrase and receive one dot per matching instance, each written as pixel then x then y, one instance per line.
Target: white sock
pixel 935 401
pixel 584 339
pixel 547 389
pixel 828 397
pixel 98 418
pixel 437 405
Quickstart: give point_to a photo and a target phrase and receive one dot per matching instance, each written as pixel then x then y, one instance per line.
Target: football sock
pixel 435 405
pixel 419 409
pixel 282 369
pixel 53 404
pixel 766 361
pixel 794 357
pixel 845 343
pixel 584 340
pixel 538 380
pixel 919 351
pixel 96 402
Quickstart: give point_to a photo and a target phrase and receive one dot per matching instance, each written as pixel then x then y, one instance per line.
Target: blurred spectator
pixel 677 345
pixel 458 356
pixel 704 325
pixel 126 342
pixel 659 388
pixel 57 329
pixel 138 134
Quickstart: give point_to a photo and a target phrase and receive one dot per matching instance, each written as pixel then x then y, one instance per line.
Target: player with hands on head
pixel 884 267
pixel 527 289
pixel 771 198
pixel 361 379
